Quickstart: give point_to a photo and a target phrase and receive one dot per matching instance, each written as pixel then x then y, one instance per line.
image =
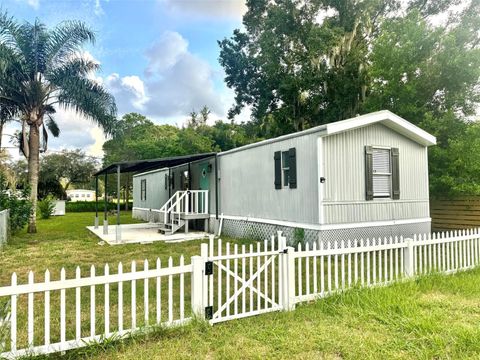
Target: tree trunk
pixel 1 134
pixel 33 170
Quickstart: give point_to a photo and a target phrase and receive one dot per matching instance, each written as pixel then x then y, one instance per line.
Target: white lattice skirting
pixel 260 231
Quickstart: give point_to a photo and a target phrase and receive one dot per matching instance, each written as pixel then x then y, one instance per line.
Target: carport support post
pixel 96 202
pixel 118 234
pixel 105 204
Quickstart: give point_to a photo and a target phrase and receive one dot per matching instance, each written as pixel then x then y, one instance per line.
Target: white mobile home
pixel 75 195
pixel 361 177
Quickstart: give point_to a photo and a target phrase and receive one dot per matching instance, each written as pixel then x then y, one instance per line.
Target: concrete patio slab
pixel 143 233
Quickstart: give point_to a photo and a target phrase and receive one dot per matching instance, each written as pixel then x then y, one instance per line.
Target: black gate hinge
pixel 209 313
pixel 209 268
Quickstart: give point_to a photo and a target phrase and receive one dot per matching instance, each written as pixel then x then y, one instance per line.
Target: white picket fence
pixel 76 324
pixel 226 282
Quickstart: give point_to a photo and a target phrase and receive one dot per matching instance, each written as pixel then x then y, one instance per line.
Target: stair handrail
pixel 166 208
pixel 180 202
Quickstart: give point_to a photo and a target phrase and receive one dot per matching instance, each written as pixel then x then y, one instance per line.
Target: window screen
pixel 382 172
pixel 143 190
pixel 285 168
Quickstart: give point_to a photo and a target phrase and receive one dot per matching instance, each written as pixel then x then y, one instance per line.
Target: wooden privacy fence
pixel 225 282
pixel 456 213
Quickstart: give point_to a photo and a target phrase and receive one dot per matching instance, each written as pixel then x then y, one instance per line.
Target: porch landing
pixel 143 233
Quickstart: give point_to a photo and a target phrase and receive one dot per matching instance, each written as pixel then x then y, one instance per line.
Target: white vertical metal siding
pixel 247 182
pixel 156 193
pixel 345 177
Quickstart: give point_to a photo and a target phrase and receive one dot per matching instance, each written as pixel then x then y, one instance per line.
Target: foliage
pixel 296 71
pixel 41 69
pixel 298 237
pixel 89 206
pixel 461 165
pixel 18 204
pixel 430 76
pixel 304 63
pixel 59 170
pixel 139 138
pixel 46 206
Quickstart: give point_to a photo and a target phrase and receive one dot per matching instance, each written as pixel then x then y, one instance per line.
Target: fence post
pixel 198 267
pixel 199 296
pixel 408 258
pixel 288 278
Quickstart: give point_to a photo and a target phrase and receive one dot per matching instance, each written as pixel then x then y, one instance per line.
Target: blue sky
pixel 158 57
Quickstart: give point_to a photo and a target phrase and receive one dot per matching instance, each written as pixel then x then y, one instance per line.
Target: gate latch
pixel 209 268
pixel 209 313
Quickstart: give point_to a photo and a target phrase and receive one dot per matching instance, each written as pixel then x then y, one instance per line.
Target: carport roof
pixel 150 164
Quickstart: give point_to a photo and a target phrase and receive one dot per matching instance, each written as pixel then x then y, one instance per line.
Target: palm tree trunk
pixel 33 170
pixel 1 134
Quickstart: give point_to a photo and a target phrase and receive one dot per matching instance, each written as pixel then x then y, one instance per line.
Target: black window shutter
pixel 173 180
pixel 292 165
pixel 395 174
pixel 278 169
pixel 166 181
pixel 368 173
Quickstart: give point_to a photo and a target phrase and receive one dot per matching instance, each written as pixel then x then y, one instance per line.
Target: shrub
pixel 298 237
pixel 46 206
pixel 89 206
pixel 19 204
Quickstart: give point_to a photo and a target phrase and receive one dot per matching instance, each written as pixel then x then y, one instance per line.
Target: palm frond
pixel 74 67
pixel 52 126
pixel 90 99
pixel 66 39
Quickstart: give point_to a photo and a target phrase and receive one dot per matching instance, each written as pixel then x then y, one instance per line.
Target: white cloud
pixel 129 92
pixel 176 82
pixel 216 9
pixel 166 52
pixel 33 3
pixel 98 10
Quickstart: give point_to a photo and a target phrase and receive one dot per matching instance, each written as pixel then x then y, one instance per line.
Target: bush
pixel 46 207
pixel 298 237
pixel 89 206
pixel 19 204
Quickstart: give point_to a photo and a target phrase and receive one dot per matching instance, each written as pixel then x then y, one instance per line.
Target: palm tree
pixel 42 69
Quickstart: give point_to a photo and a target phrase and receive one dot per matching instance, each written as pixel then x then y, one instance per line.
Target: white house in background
pixel 81 195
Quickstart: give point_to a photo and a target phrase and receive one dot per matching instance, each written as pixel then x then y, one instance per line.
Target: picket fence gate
pixel 225 282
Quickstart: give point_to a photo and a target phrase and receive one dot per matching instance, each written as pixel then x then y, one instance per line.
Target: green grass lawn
pixel 433 317
pixel 64 241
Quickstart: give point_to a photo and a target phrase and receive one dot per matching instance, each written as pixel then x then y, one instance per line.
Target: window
pixel 88 195
pixel 285 169
pixel 77 195
pixel 83 195
pixel 143 190
pixel 382 173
